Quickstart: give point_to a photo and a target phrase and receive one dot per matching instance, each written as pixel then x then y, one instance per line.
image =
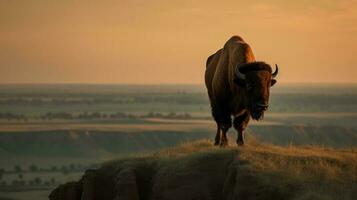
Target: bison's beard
pixel 257 115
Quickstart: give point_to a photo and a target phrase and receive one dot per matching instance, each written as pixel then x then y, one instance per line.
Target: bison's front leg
pixel 240 123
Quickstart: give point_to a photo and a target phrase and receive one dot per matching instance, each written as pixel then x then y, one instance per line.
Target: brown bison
pixel 237 86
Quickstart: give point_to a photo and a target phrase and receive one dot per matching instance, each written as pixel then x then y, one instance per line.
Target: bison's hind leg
pixel 240 123
pixel 221 135
pixel 224 127
pixel 217 139
pixel 224 123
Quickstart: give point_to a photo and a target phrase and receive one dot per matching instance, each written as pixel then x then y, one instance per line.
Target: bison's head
pixel 256 78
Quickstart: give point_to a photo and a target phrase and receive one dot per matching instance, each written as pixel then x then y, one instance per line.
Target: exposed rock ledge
pixel 252 172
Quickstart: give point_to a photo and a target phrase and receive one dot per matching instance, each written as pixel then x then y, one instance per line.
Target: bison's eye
pixel 272 82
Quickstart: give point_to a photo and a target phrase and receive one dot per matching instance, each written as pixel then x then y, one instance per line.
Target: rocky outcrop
pixel 221 174
pixel 199 177
pixel 68 191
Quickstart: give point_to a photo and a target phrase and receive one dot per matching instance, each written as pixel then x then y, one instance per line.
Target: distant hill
pixel 201 171
pixel 89 143
pixel 83 143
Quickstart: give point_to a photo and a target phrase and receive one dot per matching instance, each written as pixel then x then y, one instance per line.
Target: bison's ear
pixel 239 82
pixel 272 82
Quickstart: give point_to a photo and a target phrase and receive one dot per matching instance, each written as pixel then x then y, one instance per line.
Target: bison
pixel 237 86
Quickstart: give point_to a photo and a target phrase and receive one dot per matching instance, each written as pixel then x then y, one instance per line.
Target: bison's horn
pixel 239 74
pixel 276 71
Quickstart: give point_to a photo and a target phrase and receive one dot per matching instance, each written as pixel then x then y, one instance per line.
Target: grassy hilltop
pixel 200 171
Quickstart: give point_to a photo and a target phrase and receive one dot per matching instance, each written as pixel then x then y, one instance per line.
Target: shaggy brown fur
pixel 231 96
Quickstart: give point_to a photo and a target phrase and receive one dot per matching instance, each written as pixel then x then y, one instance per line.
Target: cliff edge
pixel 199 171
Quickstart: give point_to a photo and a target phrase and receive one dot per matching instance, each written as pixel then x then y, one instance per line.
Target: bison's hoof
pixel 240 142
pixel 216 143
pixel 223 144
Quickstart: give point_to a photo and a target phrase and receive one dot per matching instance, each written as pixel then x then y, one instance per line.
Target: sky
pixel 160 42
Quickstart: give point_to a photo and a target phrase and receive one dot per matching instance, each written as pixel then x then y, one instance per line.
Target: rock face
pixel 199 177
pixel 126 187
pixel 229 174
pixel 68 191
pixel 201 182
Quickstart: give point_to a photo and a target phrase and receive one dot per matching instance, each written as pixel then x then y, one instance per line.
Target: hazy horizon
pixel 168 83
pixel 168 42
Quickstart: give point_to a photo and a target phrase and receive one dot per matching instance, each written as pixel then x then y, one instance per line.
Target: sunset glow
pixel 155 42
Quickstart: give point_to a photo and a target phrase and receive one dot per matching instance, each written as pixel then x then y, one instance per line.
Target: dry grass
pixel 255 171
pixel 314 162
pixel 309 172
pixel 186 148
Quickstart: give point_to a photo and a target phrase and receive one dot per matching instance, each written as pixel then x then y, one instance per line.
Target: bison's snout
pixel 258 109
pixel 261 106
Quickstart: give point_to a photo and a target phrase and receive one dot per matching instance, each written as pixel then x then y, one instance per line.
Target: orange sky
pixel 153 42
